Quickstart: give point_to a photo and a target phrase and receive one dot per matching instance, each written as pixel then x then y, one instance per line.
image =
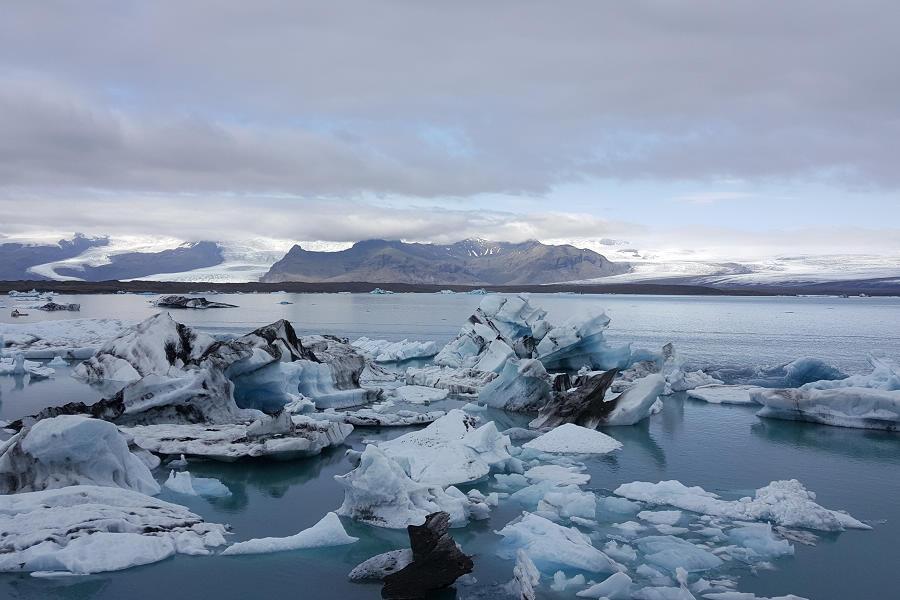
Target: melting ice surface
pixel 724 449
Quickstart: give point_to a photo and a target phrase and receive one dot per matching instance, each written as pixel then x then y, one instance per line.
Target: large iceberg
pixel 178 375
pixel 379 492
pixel 868 401
pixel 71 450
pixel 84 529
pixel 451 450
pixel 785 503
pixel 861 407
pixel 284 437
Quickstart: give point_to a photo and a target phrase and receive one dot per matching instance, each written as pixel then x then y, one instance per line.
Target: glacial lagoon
pixel 724 449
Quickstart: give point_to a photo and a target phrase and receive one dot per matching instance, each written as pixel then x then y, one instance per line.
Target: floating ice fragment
pixel 329 531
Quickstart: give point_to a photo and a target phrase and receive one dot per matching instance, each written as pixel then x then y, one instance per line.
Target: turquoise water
pixel 725 449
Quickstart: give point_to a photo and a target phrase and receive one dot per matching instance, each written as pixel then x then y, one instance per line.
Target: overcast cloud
pixel 319 115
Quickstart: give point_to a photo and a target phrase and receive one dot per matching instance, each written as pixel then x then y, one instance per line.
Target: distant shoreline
pixel 650 289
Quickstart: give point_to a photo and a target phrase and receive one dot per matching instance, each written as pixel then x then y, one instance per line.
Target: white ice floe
pixel 860 407
pixel 418 394
pixel 573 439
pixel 17 365
pixel 71 450
pixel 383 351
pixel 450 450
pixel 557 474
pixel 552 546
pixel 454 380
pixel 522 386
pixel 671 553
pixel 381 565
pixel 300 436
pixel 366 417
pixel 660 517
pixel 379 492
pixel 723 394
pixel 86 529
pixel 327 532
pixel 73 339
pixel 785 503
pixel 184 483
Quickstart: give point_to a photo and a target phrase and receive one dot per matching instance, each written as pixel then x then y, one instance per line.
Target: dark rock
pixel 584 405
pixel 437 561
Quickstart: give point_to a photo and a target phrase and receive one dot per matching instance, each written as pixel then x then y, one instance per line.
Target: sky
pixel 721 129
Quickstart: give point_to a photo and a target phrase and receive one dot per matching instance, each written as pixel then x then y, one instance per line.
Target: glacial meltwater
pixel 725 449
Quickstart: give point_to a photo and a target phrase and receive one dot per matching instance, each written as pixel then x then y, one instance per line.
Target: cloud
pixel 447 99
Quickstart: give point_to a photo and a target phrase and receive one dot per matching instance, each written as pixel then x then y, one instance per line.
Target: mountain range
pixel 469 262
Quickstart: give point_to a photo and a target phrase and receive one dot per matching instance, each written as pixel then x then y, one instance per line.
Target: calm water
pixel 724 449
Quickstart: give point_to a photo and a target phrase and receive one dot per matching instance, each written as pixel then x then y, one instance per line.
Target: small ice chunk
pixel 561 582
pixel 329 531
pixel 660 517
pixel 557 474
pixel 551 545
pixel 723 394
pixel 574 439
pixel 615 587
pixel 670 553
pixel 184 483
pixel 381 565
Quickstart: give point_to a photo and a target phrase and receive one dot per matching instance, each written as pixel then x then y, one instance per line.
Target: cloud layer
pixel 131 108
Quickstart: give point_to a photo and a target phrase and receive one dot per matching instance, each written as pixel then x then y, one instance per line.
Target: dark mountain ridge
pixel 469 262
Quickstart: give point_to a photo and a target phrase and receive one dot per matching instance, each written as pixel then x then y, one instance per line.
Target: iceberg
pixel 785 503
pixel 381 565
pixel 451 450
pixel 586 405
pixel 522 386
pixel 329 531
pixel 724 394
pixel 553 546
pixel 580 343
pixel 286 438
pixel 71 450
pixel 83 529
pixel 671 553
pixel 367 417
pixel 383 351
pixel 184 483
pixel 573 439
pixel 864 408
pixel 615 587
pixel 454 380
pixel 17 365
pixel 74 339
pixel 793 374
pixel 418 394
pixel 526 577
pixel 380 493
